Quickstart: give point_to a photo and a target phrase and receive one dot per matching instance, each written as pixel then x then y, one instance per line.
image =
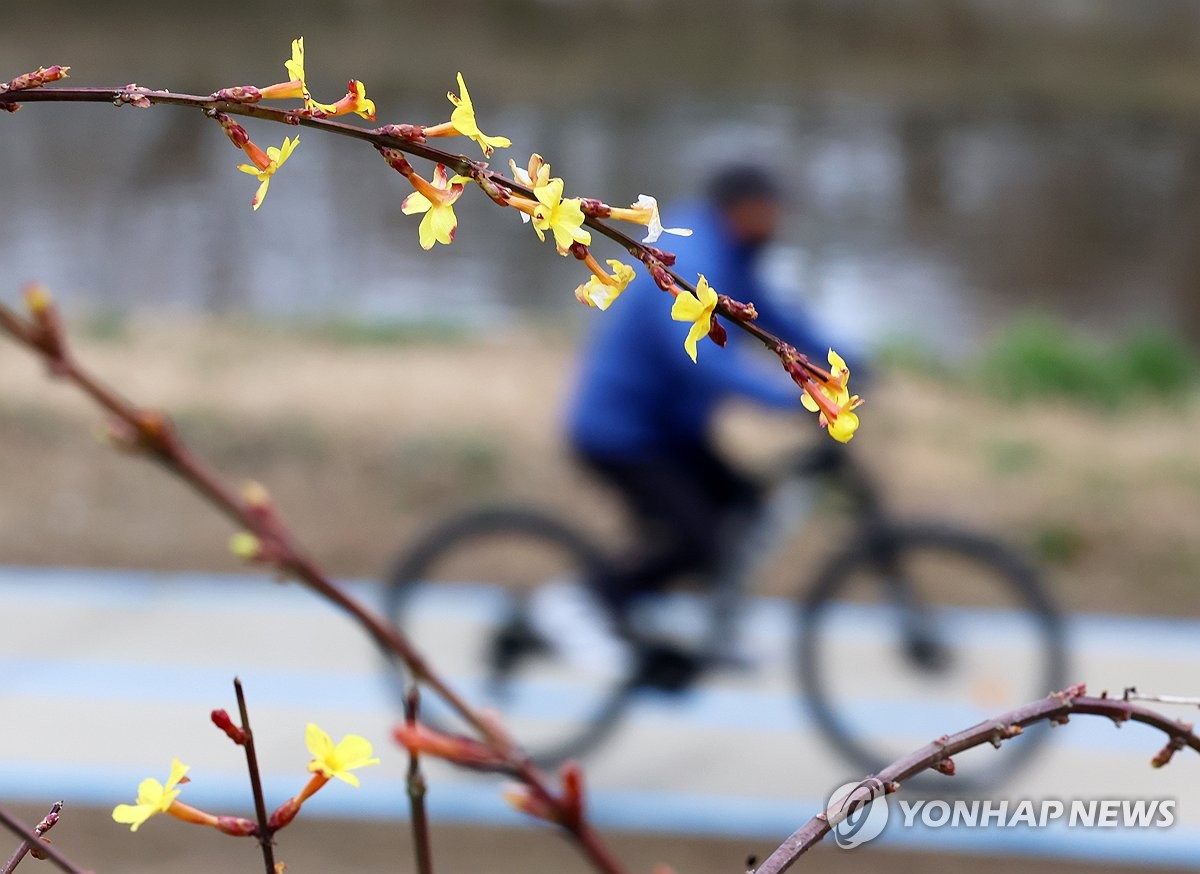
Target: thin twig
pixel 48 822
pixel 1132 694
pixel 260 804
pixel 1056 709
pixel 32 837
pixel 422 844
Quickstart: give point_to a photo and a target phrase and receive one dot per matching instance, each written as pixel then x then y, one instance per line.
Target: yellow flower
pixel 644 211
pixel 295 67
pixel 563 217
pixel 351 753
pixel 832 400
pixel 696 308
pixel 602 289
pixel 463 118
pixel 436 201
pixel 538 173
pixel 843 427
pixel 295 86
pixel 462 122
pixel 355 101
pixel 152 798
pixel 264 167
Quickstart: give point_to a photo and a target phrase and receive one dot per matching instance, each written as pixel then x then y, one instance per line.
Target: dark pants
pixel 683 504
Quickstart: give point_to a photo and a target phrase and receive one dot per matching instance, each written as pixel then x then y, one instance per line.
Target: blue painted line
pixel 478 801
pixel 106 589
pixel 701 708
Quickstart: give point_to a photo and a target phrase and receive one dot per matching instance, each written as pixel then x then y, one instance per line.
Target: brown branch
pixel 656 261
pixel 48 822
pixel 33 839
pixel 1056 709
pixel 150 432
pixel 265 834
pixel 415 780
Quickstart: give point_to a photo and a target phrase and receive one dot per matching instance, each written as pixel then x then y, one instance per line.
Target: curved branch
pixel 1056 709
pixel 656 261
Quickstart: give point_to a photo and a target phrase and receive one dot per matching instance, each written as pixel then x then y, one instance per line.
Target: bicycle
pixel 880 603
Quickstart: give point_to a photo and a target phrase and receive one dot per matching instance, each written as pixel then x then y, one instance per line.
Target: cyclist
pixel 641 414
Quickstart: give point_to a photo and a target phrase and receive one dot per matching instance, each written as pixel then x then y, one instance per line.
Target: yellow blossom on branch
pixel 562 217
pixel 152 798
pixel 537 174
pixel 351 753
pixel 436 200
pixel 265 164
pixel 295 86
pixel 355 101
pixel 696 308
pixel 832 400
pixel 462 122
pixel 603 288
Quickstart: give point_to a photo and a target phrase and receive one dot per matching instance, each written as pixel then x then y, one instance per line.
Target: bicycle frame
pixel 788 506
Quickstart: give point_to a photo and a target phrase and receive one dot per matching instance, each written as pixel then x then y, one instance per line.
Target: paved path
pixel 104 676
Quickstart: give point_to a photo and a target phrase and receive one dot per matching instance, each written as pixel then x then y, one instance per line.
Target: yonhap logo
pixel 858 812
pixel 853 816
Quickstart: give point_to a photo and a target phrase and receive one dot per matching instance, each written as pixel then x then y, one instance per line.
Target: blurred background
pixel 1001 200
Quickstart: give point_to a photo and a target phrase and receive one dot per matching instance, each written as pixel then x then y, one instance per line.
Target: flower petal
pixel 262 192
pixel 319 744
pixel 414 203
pixel 178 770
pixel 354 751
pixel 686 308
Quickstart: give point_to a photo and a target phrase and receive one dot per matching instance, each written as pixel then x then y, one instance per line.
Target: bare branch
pixel 260 805
pixel 1056 709
pixel 33 840
pixel 422 844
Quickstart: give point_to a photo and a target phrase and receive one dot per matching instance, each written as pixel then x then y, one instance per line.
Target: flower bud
pixel 234 732
pixel 237 826
pixel 245 546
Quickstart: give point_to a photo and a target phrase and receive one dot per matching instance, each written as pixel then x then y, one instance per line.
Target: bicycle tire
pixel 1023 583
pixel 460 534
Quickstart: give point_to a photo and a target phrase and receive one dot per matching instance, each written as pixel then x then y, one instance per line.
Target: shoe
pixel 582 631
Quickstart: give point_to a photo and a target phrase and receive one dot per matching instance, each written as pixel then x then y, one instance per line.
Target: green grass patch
pixel 1038 358
pixel 1059 543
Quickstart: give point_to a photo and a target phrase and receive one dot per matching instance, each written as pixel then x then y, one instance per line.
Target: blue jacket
pixel 639 394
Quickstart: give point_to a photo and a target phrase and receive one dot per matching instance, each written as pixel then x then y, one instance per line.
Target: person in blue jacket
pixel 642 411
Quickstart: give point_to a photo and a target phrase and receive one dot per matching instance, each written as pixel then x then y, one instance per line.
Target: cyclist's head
pixel 749 202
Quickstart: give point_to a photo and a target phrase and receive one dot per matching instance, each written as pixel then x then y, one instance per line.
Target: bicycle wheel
pixel 922 632
pixel 463 597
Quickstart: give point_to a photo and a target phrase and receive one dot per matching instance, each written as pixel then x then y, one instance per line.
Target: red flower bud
pixel 237 826
pixel 283 814
pixel 717 332
pixel 234 732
